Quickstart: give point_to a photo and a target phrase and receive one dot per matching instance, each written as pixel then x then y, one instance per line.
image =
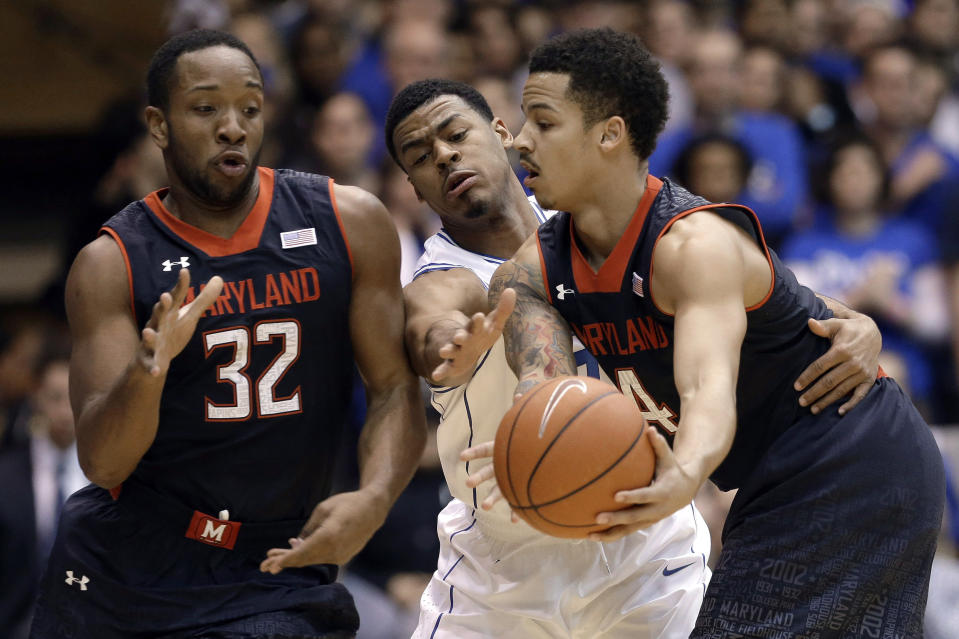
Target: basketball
pixel 563 451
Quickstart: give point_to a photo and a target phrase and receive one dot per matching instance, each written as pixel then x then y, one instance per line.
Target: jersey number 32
pixel 241 339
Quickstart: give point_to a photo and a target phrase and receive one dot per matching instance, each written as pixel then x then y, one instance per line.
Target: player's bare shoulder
pixel 98 278
pixel 447 289
pixel 368 226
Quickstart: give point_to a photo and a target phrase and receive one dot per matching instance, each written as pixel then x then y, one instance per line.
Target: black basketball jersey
pixel 254 408
pixel 614 315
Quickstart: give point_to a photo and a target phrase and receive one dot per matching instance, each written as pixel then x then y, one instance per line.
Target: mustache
pixel 524 159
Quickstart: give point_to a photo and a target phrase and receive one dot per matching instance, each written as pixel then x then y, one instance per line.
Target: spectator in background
pixel 765 23
pixel 670 27
pixel 36 477
pixel 777 183
pixel 410 50
pixel 763 80
pixel 264 41
pixel 413 218
pixel 715 167
pixel 342 138
pixel 921 169
pixel 496 44
pixel 320 51
pixel 19 349
pixel 884 266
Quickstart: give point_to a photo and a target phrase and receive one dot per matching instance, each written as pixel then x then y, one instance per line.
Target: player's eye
pixel 203 108
pixel 458 136
pixel 252 111
pixel 419 159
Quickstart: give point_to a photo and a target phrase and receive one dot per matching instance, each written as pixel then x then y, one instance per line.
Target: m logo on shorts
pixel 213 531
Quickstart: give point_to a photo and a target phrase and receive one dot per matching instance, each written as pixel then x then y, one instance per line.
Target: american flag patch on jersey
pixel 303 237
pixel 637 285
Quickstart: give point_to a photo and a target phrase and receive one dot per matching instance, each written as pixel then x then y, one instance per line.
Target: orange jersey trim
pixel 706 207
pixel 609 278
pixel 542 267
pixel 246 238
pixel 339 221
pixel 126 260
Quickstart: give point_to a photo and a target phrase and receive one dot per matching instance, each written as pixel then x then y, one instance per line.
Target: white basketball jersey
pixel 471 412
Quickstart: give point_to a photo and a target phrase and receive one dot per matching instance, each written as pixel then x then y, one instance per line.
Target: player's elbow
pixel 101 471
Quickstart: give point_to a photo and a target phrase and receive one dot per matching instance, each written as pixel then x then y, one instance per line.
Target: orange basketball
pixel 564 450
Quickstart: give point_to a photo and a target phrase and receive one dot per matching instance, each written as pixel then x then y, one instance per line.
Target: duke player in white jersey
pixel 496 576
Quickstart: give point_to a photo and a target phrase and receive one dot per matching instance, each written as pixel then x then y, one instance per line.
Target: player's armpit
pixel 539 344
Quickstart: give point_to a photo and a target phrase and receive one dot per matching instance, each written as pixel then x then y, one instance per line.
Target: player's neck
pixel 504 230
pixel 222 221
pixel 602 222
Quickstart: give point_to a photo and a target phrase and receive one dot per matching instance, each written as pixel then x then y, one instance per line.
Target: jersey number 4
pixel 235 373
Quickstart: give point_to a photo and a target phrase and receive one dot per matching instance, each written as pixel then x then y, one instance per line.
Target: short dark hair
pixel 610 73
pixel 416 94
pixel 840 143
pixel 164 60
pixel 682 169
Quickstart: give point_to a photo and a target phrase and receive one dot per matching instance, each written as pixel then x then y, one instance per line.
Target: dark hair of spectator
pixel 416 94
pixel 610 73
pixel 163 64
pixel 843 142
pixel 683 165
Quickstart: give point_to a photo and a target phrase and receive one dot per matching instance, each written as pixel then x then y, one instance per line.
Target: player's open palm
pixel 469 342
pixel 337 530
pixel 672 488
pixel 172 323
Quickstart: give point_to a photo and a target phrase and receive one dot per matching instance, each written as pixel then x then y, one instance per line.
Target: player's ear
pixel 157 126
pixel 612 132
pixel 500 128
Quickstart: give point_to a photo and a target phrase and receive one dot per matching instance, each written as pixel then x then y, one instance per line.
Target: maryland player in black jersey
pixel 216 324
pixel 833 530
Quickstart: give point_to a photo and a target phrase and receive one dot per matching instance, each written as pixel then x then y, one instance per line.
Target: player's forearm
pixel 391 443
pixel 115 429
pixel 706 430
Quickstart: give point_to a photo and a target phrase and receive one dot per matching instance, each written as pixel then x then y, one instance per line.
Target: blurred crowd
pixel 837 121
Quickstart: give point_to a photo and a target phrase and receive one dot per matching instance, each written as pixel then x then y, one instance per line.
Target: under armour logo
pixel 561 291
pixel 184 262
pixel 83 581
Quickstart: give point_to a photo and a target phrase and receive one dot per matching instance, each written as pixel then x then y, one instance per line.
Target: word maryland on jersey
pixel 280 289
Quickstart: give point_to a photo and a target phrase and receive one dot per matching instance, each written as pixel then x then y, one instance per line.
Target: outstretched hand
pixel 469 342
pixel 171 325
pixel 337 530
pixel 850 364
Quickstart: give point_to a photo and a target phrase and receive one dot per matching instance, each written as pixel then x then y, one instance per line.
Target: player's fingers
pixel 815 370
pixel 833 378
pixel 825 327
pixel 834 395
pixel 857 395
pixel 484 474
pixel 205 299
pixel 449 350
pixel 178 292
pixel 664 454
pixel 507 302
pixel 478 452
pixel 494 496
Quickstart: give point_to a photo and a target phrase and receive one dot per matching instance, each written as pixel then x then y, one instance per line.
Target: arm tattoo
pixel 538 341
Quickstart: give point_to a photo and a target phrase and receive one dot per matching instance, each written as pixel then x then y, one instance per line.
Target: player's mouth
pixel 231 163
pixel 533 171
pixel 459 182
